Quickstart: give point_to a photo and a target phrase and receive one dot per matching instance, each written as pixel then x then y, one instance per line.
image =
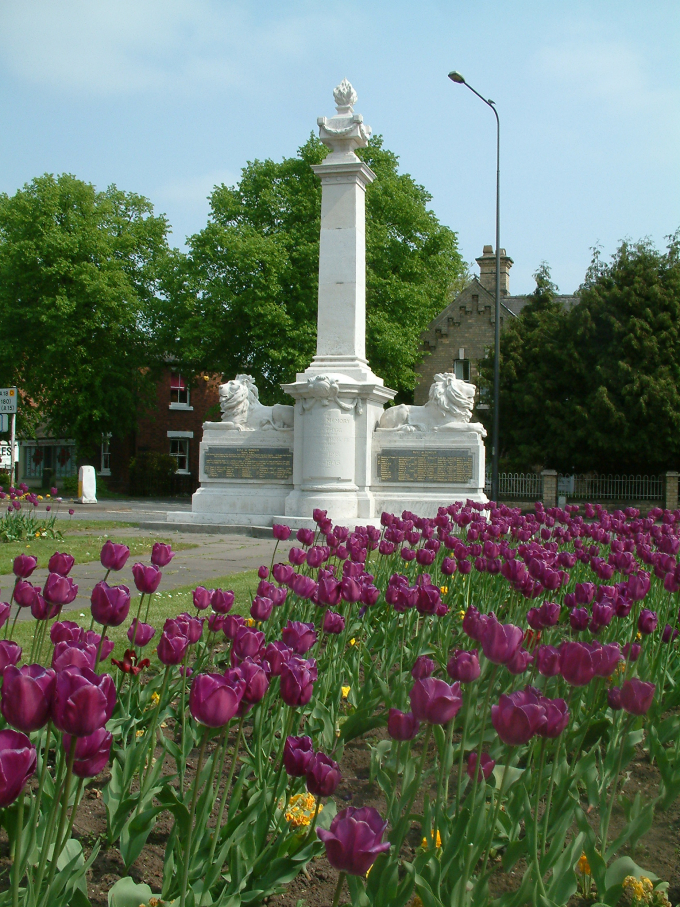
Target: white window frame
pixel 179 403
pixel 181 439
pixel 463 363
pixel 105 463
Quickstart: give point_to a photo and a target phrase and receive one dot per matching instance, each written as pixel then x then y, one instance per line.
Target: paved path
pixel 215 555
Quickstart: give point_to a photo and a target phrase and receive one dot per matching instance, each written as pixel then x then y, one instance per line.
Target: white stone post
pixel 338 398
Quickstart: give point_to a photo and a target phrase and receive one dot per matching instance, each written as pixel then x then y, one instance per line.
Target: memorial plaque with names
pixel 450 467
pixel 262 463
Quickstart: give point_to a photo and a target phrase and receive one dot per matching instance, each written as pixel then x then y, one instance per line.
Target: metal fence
pixel 593 487
pixel 517 486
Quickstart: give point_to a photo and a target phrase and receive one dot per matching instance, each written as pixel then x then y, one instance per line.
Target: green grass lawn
pixel 163 605
pixel 85 546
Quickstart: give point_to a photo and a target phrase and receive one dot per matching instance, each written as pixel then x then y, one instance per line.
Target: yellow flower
pixel 37 535
pixel 461 614
pixel 352 641
pixel 48 496
pixel 584 865
pixel 438 844
pixel 443 589
pixel 139 733
pixel 249 622
pixel 40 497
pixel 631 884
pixel 300 810
pixel 345 692
pixel 155 698
pixel 416 902
pixel 638 635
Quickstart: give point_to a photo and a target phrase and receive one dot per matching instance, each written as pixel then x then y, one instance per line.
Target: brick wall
pixel 153 427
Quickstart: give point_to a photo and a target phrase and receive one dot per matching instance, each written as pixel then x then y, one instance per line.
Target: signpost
pixel 8 404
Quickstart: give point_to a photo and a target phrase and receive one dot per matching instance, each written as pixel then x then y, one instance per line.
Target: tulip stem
pixel 605 828
pixel 390 805
pixel 148 608
pixel 485 712
pixel 461 758
pixel 62 817
pixel 35 808
pixel 443 774
pixel 286 731
pixel 99 648
pixel 537 865
pixel 497 808
pixel 225 795
pixel 17 867
pixel 551 785
pixel 192 812
pixel 144 774
pixel 183 714
pixel 336 896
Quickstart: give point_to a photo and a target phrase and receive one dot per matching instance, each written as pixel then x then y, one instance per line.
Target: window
pixel 179 449
pixel 461 369
pixel 179 392
pixel 105 468
pixel 66 461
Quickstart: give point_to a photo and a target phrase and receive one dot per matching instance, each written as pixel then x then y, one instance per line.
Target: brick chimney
pixel 487 270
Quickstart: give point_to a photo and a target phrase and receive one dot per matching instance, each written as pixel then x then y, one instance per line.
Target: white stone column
pixel 338 398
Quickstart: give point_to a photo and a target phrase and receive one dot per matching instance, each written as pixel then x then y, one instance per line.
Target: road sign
pixel 8 399
pixel 4 422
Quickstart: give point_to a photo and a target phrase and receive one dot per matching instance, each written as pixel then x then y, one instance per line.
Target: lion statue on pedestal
pixel 449 408
pixel 242 410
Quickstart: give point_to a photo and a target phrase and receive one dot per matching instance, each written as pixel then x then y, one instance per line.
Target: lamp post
pixel 460 80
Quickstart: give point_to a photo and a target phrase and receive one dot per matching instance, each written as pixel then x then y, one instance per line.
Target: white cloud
pixel 98 47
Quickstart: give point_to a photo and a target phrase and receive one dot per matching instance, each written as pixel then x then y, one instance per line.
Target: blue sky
pixel 168 97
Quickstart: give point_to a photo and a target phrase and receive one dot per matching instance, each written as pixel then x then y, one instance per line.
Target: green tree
pixel 245 298
pixel 80 271
pixel 597 387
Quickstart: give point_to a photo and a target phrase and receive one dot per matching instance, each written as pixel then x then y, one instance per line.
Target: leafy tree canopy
pixel 597 387
pixel 245 298
pixel 79 276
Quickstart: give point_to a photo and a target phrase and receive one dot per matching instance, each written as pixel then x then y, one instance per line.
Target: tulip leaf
pixel 513 775
pixel 128 893
pixel 361 721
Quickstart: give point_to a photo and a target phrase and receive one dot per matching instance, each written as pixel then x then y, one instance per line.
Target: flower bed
pixel 497 673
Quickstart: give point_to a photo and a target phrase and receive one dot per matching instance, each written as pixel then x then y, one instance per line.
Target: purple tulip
pixel 329 590
pixel 161 554
pixel 303 586
pixel 261 608
pixel 486 768
pixel 17 763
pixel 422 667
pixel 669 633
pixel 73 655
pixel 256 680
pixel 105 648
pixel 202 598
pixel 91 752
pixel 83 701
pixel 354 841
pixel 606 658
pixel 297 682
pixel 576 663
pixel 333 622
pixel 232 624
pixel 323 775
pixel 647 621
pixel 579 619
pixel 5 609
pixel 215 699
pixel 298 636
pixel 518 717
pixel 637 696
pixel 172 645
pixel 24 593
pixel 27 694
pixel 59 590
pixel 147 579
pixel 557 717
pixel 638 586
pixel 60 563
pixel 297 556
pixel 474 623
pixel 140 634
pixel 247 643
pixel 464 665
pixel 614 698
pixel 114 556
pixel 547 660
pixel 222 601
pixel 283 573
pixel 298 753
pixel 65 631
pixel 281 532
pixel 603 612
pixel 520 661
pixel 275 654
pixel 42 610
pixel 402 726
pixel 110 604
pixel 500 641
pixel 350 589
pixel 10 653
pixel 305 536
pixel 192 627
pixel 24 565
pixel 435 701
pixel 632 652
pixel 585 593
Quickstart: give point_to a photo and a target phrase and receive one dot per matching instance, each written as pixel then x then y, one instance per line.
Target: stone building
pixel 460 336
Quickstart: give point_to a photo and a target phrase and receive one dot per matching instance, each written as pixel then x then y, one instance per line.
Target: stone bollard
pixel 549 487
pixel 87 485
pixel 671 502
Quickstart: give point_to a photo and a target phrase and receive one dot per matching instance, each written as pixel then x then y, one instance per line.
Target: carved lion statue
pixel 448 408
pixel 242 410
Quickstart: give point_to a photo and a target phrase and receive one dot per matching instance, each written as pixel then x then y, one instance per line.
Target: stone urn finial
pixel 345 97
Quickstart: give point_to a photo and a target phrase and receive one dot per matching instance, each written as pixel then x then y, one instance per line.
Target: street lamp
pixel 460 80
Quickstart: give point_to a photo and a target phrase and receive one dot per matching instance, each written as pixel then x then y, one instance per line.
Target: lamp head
pixel 457 77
